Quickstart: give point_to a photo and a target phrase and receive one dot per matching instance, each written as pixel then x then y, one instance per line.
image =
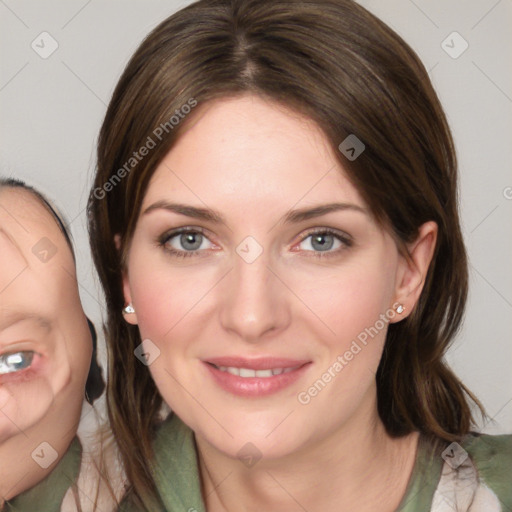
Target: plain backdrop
pixel 51 110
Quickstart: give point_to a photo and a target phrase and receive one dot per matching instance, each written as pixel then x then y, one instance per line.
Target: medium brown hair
pixel 339 65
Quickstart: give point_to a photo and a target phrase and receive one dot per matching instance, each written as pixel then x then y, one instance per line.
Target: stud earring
pixel 400 309
pixel 128 310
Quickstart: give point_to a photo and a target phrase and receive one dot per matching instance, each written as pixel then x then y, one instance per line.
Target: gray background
pixel 52 108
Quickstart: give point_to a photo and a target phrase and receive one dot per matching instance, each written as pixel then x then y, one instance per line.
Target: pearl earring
pixel 127 310
pixel 400 309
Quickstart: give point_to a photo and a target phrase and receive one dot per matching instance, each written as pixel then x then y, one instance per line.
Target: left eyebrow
pixel 300 215
pixel 292 217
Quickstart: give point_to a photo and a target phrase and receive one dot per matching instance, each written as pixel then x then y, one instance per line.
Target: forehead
pixel 252 151
pixel 35 256
pixel 25 220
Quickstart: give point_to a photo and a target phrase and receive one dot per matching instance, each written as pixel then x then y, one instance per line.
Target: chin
pixel 251 449
pixel 260 435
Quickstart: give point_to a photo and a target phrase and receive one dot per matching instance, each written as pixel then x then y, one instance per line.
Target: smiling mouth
pixel 255 377
pixel 250 373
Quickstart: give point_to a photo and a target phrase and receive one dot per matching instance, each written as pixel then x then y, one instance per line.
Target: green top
pixel 48 494
pixel 477 474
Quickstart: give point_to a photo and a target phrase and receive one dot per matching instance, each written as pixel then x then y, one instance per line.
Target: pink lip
pixel 255 386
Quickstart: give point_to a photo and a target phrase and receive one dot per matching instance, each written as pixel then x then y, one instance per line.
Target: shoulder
pixel 174 446
pixel 101 478
pixel 176 471
pixel 476 475
pixel 172 430
pixel 489 450
pixel 492 458
pixel 48 494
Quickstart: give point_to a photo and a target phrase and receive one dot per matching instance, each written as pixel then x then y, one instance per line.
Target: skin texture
pixel 39 291
pixel 253 161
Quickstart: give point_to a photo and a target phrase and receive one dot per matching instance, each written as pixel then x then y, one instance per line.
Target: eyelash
pixel 344 239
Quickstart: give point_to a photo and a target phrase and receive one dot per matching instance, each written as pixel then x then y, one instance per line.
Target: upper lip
pixel 260 363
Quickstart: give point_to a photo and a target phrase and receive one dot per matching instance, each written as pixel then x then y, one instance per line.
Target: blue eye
pixel 15 361
pixel 326 242
pixel 188 238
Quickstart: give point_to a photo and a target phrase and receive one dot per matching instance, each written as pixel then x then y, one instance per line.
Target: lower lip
pixel 255 386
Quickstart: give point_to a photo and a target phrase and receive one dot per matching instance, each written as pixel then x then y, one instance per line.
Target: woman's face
pixel 45 344
pixel 304 299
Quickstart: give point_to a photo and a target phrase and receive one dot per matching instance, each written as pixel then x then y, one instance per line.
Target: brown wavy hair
pixel 336 63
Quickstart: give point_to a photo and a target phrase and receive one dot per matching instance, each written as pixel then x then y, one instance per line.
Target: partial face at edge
pixel 256 291
pixel 45 344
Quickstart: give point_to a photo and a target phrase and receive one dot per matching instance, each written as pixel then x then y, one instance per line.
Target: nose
pixel 255 301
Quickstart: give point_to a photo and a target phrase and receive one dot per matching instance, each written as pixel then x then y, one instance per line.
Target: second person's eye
pixel 15 361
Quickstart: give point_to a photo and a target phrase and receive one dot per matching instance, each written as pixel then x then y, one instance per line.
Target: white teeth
pixel 248 372
pixel 264 373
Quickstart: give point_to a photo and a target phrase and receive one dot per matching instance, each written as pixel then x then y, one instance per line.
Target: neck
pixel 357 467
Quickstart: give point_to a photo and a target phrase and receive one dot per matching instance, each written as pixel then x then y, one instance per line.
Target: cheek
pixel 352 300
pixel 162 300
pixel 25 398
pixel 354 303
pixel 76 345
pixel 165 295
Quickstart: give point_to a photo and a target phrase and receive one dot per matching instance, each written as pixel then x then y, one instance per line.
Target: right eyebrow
pixel 190 211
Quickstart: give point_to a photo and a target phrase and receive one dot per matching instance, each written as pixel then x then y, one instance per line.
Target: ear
pixel 413 268
pixel 131 318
